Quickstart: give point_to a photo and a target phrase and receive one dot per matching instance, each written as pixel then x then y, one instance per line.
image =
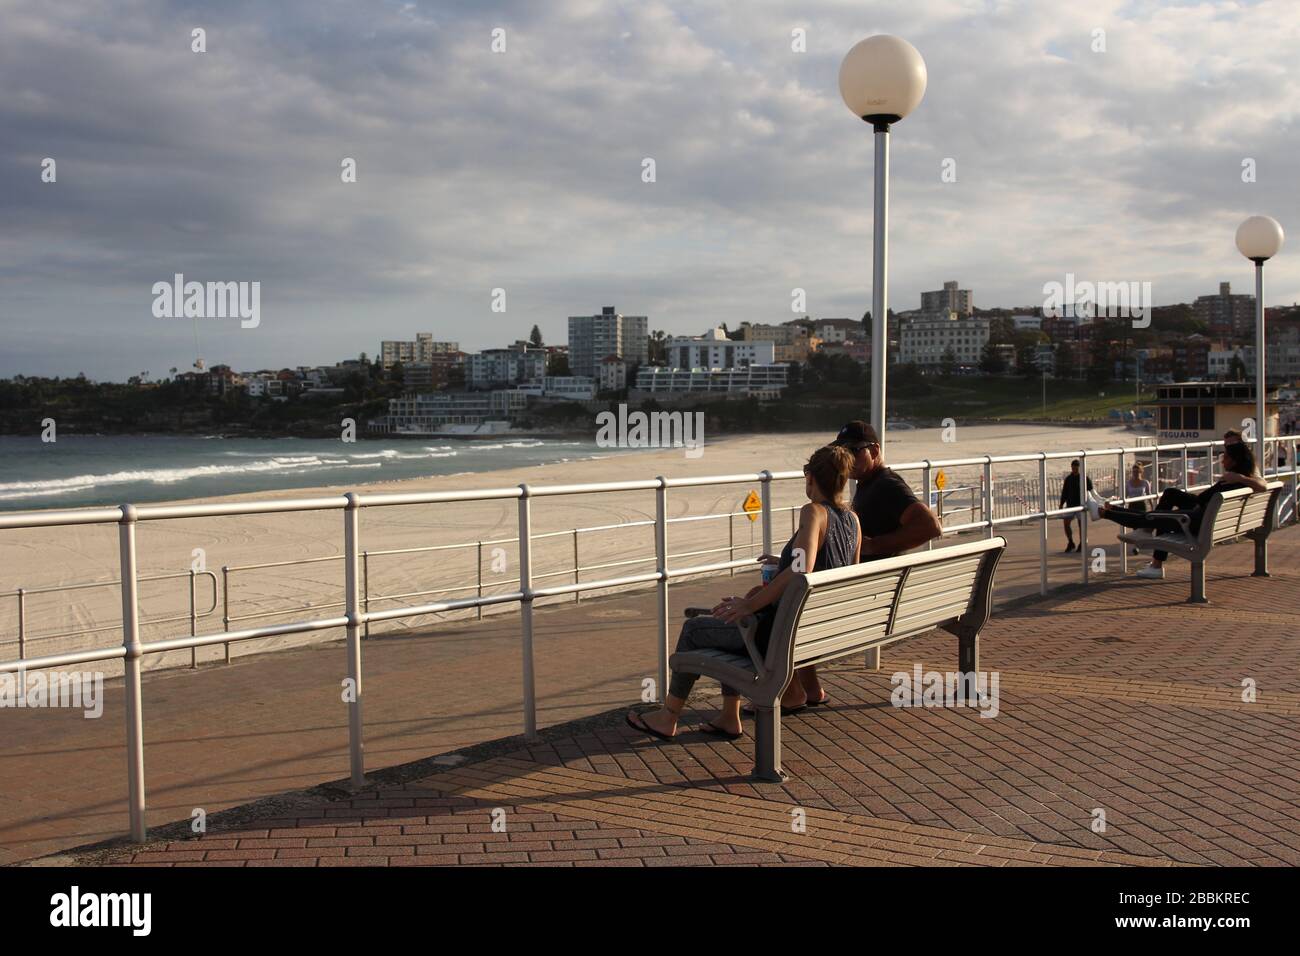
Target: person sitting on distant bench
pixel 828 537
pixel 1238 464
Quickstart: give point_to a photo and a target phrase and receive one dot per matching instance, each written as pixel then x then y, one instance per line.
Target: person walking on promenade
pixel 1070 498
pixel 828 537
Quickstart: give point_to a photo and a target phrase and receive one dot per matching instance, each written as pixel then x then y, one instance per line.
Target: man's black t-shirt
pixel 880 502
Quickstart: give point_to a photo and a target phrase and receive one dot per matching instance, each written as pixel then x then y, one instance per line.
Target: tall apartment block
pixel 1227 314
pixel 949 299
pixel 423 350
pixel 593 337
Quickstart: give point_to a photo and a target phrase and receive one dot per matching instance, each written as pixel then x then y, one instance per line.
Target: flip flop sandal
pixel 713 730
pixel 819 703
pixel 645 728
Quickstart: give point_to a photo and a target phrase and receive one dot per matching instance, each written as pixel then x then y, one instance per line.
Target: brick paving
pixel 1118 698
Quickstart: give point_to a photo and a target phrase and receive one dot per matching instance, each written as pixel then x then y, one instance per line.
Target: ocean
pixel 86 470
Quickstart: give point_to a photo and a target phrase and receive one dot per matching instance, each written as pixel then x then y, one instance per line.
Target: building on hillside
pixel 791 341
pixel 423 349
pixel 1226 314
pixel 928 341
pixel 567 388
pixel 949 299
pixel 758 381
pixel 591 337
pixel 612 374
pixel 495 367
pixel 715 350
pixel 839 330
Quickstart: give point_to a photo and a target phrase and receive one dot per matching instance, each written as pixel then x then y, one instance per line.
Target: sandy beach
pixel 48 557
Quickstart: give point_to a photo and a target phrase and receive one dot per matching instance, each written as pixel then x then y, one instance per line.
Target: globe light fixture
pixel 1259 239
pixel 882 80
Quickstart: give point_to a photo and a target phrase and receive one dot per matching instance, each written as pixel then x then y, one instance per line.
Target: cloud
pixel 522 169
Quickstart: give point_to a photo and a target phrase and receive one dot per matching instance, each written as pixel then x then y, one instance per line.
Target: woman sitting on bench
pixel 829 537
pixel 1238 464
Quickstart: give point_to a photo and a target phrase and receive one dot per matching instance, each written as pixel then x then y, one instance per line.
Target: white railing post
pixel 194 624
pixel 352 605
pixel 134 702
pixel 765 493
pixel 365 591
pixel 577 595
pixel 225 605
pixel 926 480
pixel 1083 516
pixel 1186 480
pixel 22 623
pixel 1295 485
pixel 1123 497
pixel 988 497
pixel 1042 524
pixel 526 609
pixel 479 577
pixel 661 562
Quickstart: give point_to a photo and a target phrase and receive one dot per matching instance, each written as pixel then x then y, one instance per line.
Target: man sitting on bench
pixel 1238 464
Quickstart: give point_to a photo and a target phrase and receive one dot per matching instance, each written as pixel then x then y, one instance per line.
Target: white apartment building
pixel 1281 361
pixel 765 381
pixel 432 411
pixel 494 367
pixel 1022 323
pixel 925 341
pixel 715 350
pixel 592 337
pixel 572 388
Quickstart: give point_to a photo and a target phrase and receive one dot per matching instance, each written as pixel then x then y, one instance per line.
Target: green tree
pixel 948 362
pixel 991 362
pixel 535 337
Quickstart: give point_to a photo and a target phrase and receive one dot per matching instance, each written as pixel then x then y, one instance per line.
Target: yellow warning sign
pixel 752 506
pixel 940 480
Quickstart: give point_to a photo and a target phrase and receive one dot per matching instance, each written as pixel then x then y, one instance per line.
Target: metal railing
pixel 356 615
pixel 194 615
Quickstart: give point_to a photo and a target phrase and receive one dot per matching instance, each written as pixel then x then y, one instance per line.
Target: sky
pixel 1114 155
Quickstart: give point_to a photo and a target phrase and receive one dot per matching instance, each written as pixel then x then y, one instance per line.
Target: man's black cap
pixel 856 435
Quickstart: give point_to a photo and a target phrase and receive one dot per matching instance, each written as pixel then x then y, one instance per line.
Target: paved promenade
pixel 1119 698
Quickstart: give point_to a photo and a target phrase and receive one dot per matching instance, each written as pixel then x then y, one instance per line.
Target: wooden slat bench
pixel 1231 514
pixel 830 614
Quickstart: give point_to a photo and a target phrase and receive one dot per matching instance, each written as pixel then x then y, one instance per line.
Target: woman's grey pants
pixel 700 633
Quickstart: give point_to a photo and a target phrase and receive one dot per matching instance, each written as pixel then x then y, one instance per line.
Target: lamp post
pixel 1259 239
pixel 882 79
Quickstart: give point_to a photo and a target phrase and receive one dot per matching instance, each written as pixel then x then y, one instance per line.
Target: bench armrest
pixel 1181 517
pixel 748 628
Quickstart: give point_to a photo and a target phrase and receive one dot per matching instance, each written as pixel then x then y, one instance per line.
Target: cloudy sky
pixel 522 170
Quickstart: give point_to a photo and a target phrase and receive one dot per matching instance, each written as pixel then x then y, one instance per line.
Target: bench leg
pixel 1198 584
pixel 767 744
pixel 872 660
pixel 968 653
pixel 1261 558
